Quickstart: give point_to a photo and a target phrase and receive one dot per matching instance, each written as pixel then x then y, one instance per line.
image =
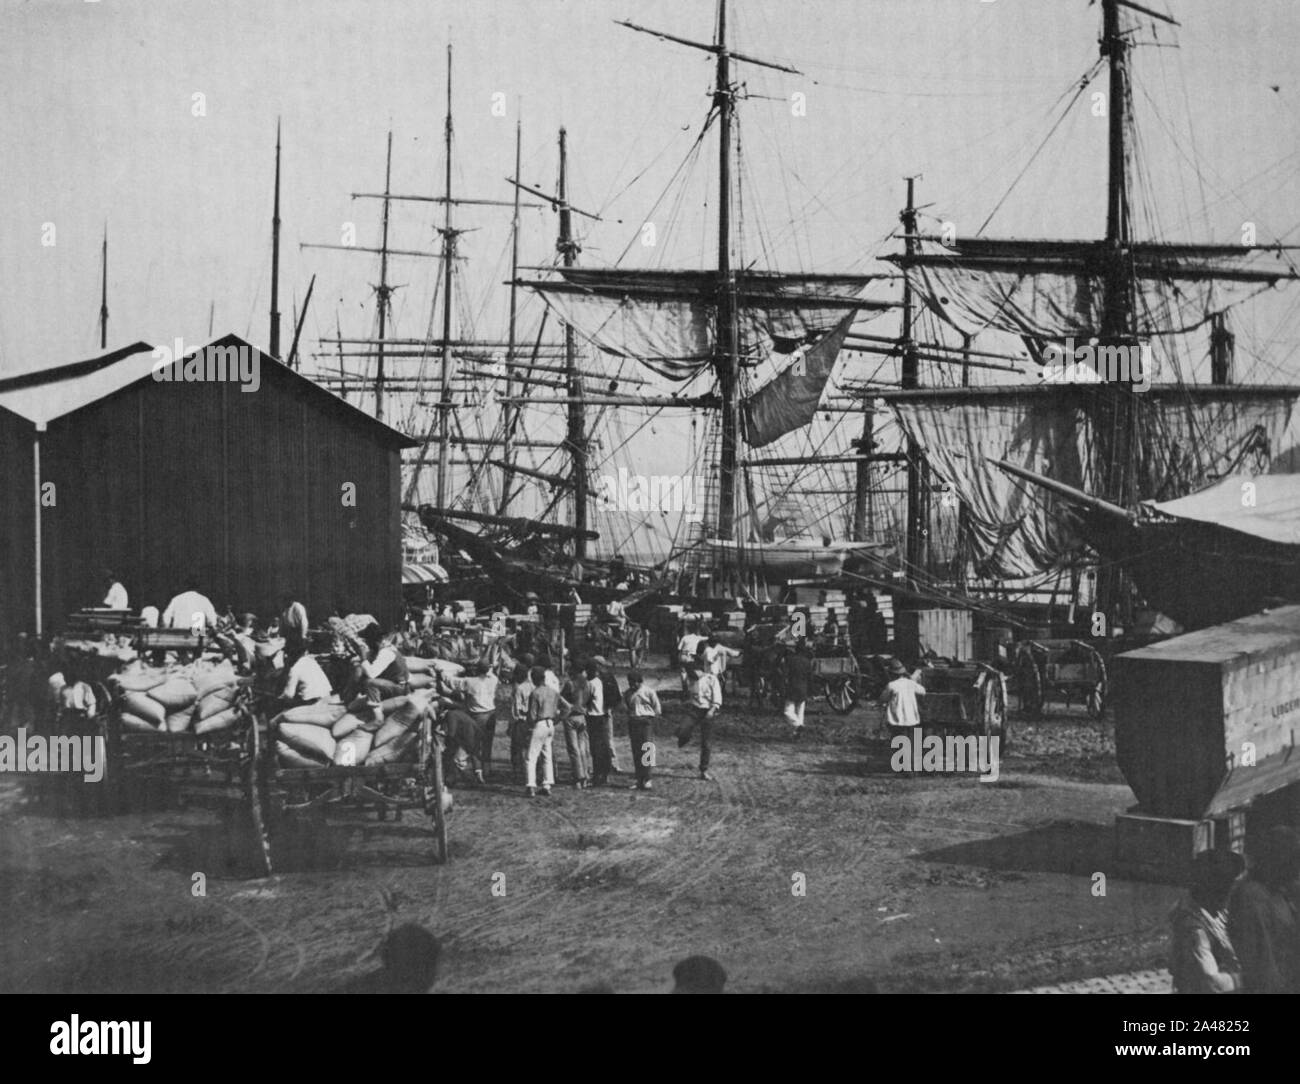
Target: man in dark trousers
pixel 1262 916
pixel 798 678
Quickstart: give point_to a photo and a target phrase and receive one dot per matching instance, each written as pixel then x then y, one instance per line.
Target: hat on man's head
pixel 897 668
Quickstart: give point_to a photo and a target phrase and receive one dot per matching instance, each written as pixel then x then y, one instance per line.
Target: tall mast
pixel 448 262
pixel 577 438
pixel 275 252
pixel 918 505
pixel 1115 414
pixel 724 358
pixel 511 411
pixel 383 290
pixel 103 291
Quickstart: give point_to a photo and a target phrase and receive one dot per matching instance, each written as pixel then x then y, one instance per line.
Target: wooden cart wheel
pixel 1096 701
pixel 636 645
pixel 1029 684
pixel 436 794
pixel 842 693
pixel 995 707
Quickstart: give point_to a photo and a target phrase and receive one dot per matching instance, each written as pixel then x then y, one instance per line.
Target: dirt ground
pixel 912 883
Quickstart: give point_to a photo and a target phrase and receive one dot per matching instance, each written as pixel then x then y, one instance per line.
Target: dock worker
pixel 576 743
pixel 386 675
pixel 590 699
pixel 545 705
pixel 520 729
pixel 1201 957
pixel 1262 922
pixel 686 648
pixel 617 570
pixel 471 722
pixel 716 655
pixel 643 708
pixel 798 670
pixel 114 593
pixel 293 625
pixel 899 698
pixel 705 701
pixel 306 682
pixel 190 609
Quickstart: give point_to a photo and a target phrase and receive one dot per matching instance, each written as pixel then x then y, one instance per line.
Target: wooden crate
pixel 946 633
pixel 1192 713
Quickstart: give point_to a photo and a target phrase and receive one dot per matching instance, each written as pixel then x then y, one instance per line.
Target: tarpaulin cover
pixel 1266 506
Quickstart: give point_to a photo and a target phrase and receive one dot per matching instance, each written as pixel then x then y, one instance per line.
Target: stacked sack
pixel 198 697
pixel 422 673
pixel 318 734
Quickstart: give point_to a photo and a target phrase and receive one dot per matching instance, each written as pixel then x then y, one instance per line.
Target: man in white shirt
pixel 470 724
pixel 705 703
pixel 190 610
pixel 899 698
pixel 686 649
pixel 306 682
pixel 115 599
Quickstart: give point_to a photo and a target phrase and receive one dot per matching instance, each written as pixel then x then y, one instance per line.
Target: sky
pixel 158 120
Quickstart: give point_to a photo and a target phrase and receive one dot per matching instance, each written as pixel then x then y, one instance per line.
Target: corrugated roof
pixel 44 396
pixel 1270 510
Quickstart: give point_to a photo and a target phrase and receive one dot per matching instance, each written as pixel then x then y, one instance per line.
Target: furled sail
pixel 1050 289
pixel 1192 437
pixel 789 401
pixel 665 319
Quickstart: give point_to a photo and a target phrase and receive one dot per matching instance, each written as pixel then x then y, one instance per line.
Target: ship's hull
pixel 1200 574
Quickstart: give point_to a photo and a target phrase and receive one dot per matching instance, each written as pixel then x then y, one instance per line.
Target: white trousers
pixel 539 745
pixel 794 712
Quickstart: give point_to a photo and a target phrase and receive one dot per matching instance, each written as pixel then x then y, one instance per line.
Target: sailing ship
pixel 729 323
pixel 1120 465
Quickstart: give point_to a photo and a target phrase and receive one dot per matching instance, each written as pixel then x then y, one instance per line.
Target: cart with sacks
pixel 327 758
pixel 200 732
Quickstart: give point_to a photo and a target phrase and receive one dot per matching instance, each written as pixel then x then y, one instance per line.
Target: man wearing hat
pixel 899 698
pixel 1201 956
pixel 798 679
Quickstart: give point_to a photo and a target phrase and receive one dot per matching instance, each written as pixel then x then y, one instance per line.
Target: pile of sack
pixel 198 698
pixel 318 734
pixel 423 673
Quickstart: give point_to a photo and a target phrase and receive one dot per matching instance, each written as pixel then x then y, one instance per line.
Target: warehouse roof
pixel 1270 510
pixel 48 394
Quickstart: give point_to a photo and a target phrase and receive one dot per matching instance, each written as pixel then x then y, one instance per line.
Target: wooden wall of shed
pixel 243 489
pixel 17 597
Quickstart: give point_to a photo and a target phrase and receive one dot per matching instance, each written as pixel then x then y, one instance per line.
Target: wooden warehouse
pixel 253 486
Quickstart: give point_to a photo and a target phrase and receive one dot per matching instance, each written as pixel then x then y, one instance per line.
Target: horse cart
pixel 1069 671
pixel 280 785
pixel 968 697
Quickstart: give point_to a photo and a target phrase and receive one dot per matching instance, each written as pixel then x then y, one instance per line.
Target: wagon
pixel 970 697
pixel 1064 670
pixel 275 794
pixel 608 638
pixel 836 676
pixel 835 679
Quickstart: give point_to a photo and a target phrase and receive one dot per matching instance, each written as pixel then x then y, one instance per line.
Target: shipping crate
pixel 949 634
pixel 1207 722
pixel 1163 849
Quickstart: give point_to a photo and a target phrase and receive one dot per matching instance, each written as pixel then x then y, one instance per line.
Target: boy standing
pixel 642 704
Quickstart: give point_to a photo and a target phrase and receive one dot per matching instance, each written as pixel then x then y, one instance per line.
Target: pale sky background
pixel 98 125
